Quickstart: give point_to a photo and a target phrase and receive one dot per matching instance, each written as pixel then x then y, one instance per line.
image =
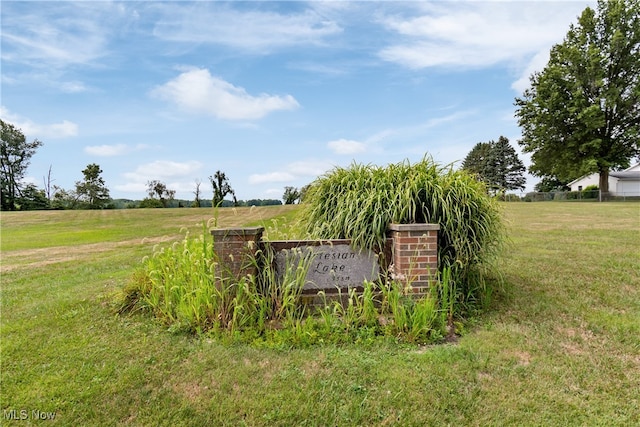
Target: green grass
pixel 560 346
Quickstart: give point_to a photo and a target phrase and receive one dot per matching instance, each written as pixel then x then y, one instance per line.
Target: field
pixel 559 345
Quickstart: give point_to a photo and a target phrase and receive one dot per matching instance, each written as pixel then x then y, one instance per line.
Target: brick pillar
pixel 415 254
pixel 236 248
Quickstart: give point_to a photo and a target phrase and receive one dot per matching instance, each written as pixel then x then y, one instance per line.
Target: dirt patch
pixel 524 358
pixel 192 391
pixel 33 258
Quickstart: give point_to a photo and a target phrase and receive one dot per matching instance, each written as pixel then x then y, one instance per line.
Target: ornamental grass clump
pixel 187 288
pixel 359 203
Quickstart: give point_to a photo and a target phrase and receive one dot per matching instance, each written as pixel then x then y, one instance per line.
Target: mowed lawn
pixel 559 345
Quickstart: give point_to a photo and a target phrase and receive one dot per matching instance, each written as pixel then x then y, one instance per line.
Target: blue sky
pixel 272 93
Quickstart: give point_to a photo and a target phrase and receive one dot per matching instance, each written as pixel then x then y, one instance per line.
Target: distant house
pixel 624 183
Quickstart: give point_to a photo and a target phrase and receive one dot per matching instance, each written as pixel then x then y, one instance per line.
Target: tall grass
pixel 186 288
pixel 359 203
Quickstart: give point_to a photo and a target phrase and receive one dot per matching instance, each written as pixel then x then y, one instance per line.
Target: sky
pixel 274 94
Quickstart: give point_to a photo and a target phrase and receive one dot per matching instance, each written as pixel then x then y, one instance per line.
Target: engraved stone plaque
pixel 332 266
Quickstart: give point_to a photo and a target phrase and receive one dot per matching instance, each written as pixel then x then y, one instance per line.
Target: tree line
pixel 92 192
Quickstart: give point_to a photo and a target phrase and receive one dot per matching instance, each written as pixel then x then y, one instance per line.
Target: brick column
pixel 415 254
pixel 236 248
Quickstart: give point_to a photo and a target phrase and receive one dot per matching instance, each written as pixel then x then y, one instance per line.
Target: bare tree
pixel 47 184
pixel 196 202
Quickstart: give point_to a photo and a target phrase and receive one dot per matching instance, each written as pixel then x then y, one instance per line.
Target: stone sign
pixel 332 266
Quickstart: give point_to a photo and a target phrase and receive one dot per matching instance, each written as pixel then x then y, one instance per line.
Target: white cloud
pixel 345 146
pixel 274 192
pixel 420 130
pixel 58 34
pixel 537 63
pixel 176 175
pixel 261 178
pixel 73 87
pixel 198 91
pixel 480 34
pixel 106 150
pixel 113 150
pixel 132 187
pixel 163 169
pixel 212 22
pixel 293 171
pixel 63 129
pixel 307 168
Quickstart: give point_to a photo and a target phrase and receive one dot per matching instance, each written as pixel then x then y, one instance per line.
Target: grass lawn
pixel 560 345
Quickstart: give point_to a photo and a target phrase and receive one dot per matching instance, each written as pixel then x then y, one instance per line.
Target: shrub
pixel 510 198
pixel 361 201
pixel 590 192
pixel 573 195
pixel 151 203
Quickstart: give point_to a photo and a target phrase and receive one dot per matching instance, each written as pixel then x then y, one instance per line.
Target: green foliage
pixel 581 113
pixel 291 195
pixel 548 184
pixel 388 309
pixel 32 199
pixel 505 171
pixel 221 187
pixel 15 155
pixel 185 287
pixel 590 192
pixel 151 203
pixel 476 160
pixel 159 189
pixel 64 199
pixel 92 192
pixel 361 201
pixel 497 164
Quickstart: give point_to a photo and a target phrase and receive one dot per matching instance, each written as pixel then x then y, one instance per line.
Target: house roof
pixel 627 174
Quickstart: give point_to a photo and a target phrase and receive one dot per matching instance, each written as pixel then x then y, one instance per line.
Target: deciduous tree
pixel 15 155
pixel 159 189
pixel 291 195
pixel 582 112
pixel 221 187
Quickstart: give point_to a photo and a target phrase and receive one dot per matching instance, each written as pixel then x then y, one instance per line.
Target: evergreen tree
pixel 504 171
pixel 92 192
pixel 476 160
pixel 33 199
pixel 497 164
